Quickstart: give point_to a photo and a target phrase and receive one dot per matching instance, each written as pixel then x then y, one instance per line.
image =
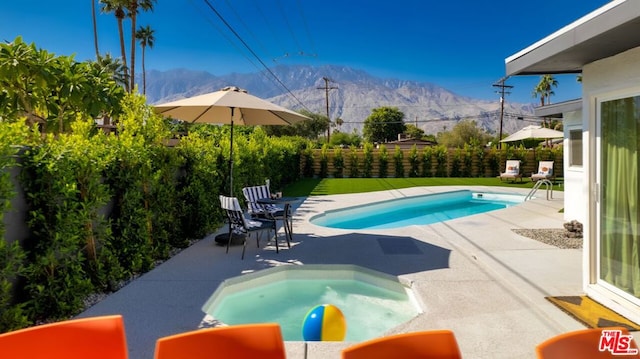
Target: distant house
pixel 602 142
pixel 407 143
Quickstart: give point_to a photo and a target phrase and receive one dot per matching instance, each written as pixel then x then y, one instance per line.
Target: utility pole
pixel 500 84
pixel 326 89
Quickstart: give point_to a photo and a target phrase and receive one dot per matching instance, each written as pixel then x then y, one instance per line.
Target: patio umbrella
pixel 230 105
pixel 533 131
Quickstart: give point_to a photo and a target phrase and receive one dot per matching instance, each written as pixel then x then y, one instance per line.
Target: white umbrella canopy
pixel 230 105
pixel 216 107
pixel 533 131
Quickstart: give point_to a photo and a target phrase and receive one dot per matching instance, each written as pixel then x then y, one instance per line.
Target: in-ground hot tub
pixel 372 302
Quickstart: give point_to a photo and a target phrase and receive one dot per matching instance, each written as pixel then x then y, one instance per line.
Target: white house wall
pixel 616 76
pixel 575 192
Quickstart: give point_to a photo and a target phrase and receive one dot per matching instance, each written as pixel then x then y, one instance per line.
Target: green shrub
pixel 414 162
pixel 338 163
pixel 383 161
pixel 354 162
pixel 367 161
pixel 398 158
pixel 427 161
pixel 441 155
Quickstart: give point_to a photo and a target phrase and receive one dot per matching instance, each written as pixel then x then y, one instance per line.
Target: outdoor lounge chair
pixel 587 343
pixel 424 344
pixel 253 194
pixel 545 171
pixel 239 224
pixel 512 171
pixel 100 337
pixel 237 341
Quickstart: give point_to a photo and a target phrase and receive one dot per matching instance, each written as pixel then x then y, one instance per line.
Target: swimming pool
pixel 416 210
pixel 371 302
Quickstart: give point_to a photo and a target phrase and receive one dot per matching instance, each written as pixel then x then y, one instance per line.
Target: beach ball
pixel 324 323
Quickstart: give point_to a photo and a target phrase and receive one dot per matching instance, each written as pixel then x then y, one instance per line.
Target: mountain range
pixel 352 95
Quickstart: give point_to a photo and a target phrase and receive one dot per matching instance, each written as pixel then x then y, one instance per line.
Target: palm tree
pixel 133 6
pixel 95 27
pixel 117 7
pixel 545 91
pixel 146 38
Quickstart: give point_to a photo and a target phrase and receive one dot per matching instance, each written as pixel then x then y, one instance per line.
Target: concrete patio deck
pixel 489 289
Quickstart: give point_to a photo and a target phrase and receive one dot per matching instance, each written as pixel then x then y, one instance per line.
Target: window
pixel 575 148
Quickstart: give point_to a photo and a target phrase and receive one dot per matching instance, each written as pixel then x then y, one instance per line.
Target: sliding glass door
pixel 619 215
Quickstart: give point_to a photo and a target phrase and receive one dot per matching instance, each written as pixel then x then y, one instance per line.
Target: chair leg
pixel 244 244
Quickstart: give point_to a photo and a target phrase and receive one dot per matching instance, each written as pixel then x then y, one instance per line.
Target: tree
pixel 544 89
pixel 414 132
pixel 95 28
pixel 384 124
pixel 53 91
pixel 308 128
pixel 464 132
pixel 133 6
pixel 118 7
pixel 146 38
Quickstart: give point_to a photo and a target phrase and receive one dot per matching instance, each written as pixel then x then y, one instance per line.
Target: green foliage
pixel 464 132
pixel 367 161
pixel 324 161
pixel 384 124
pixel 307 156
pixel 12 256
pixel 53 90
pixel 441 154
pixel 414 162
pixel 398 157
pixel 70 254
pixel 354 162
pixel 345 139
pixel 427 161
pixel 456 162
pixel 310 129
pixel 467 160
pixel 338 163
pixel 383 161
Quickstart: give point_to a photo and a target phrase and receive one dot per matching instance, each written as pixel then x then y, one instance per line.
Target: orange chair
pixel 586 343
pixel 437 344
pixel 239 341
pixel 96 338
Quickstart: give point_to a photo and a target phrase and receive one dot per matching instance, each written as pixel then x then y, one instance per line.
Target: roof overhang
pixel 558 109
pixel 605 32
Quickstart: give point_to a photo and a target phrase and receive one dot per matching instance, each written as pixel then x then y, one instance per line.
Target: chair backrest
pixel 587 343
pixel 440 344
pixel 96 338
pixel 253 194
pixel 512 167
pixel 240 341
pixel 236 218
pixel 545 167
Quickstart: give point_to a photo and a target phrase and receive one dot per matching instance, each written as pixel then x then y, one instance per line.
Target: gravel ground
pixel 553 236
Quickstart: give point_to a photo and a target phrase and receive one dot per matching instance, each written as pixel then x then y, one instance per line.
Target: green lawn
pixel 329 186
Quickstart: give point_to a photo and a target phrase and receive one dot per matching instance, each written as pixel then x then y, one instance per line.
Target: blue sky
pixel 457 44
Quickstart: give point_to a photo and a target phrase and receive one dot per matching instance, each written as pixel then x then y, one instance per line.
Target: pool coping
pixel 493 276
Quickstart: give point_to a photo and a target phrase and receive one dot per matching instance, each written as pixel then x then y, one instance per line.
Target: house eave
pixel 603 33
pixel 558 109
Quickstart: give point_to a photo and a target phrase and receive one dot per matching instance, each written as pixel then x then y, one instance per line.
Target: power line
pixel 254 54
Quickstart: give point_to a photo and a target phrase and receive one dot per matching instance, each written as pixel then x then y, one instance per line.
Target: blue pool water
pixel 417 210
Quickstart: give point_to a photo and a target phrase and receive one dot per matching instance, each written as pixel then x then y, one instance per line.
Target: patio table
pixel 286 216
